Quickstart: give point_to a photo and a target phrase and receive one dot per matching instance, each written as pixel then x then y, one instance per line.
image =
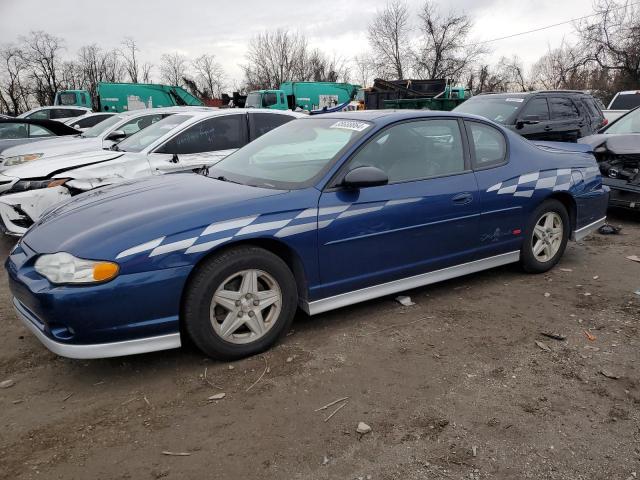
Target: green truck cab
pixel 122 97
pixel 303 95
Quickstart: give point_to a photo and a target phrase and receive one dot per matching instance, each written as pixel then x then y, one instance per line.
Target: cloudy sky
pixel 194 27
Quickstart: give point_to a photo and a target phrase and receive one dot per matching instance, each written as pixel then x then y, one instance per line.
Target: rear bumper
pixel 99 350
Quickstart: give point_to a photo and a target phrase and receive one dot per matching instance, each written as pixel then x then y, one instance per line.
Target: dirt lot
pixel 453 387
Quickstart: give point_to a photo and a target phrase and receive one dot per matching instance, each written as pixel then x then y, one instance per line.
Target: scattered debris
pixel 217 396
pixel 637 292
pixel 634 258
pixel 555 336
pixel 99 383
pixel 586 294
pixel 609 374
pixel 266 369
pixel 210 383
pixel 547 294
pixel 607 229
pixel 474 451
pixel 126 402
pixel 289 359
pixel 15 402
pixel 404 301
pixel 231 367
pixel 566 270
pixel 331 404
pixel 590 336
pixel 146 400
pixel 543 346
pixel 335 411
pixel 7 384
pixel 67 397
pixel 177 454
pixel 363 428
pixel 595 277
pixel 325 461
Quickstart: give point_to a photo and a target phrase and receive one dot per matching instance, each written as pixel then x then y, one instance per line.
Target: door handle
pixel 463 198
pixel 548 128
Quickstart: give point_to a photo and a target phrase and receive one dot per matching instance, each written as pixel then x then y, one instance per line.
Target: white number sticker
pixel 351 125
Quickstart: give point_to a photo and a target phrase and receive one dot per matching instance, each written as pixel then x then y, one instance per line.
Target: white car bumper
pixel 18 211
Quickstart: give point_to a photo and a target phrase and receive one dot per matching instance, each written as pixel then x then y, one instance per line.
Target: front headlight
pixel 18 159
pixel 24 185
pixel 63 267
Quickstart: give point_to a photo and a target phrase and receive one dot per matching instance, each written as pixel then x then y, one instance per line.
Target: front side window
pixel 144 138
pixel 253 100
pixel 537 107
pixel 261 123
pixel 39 114
pixel 488 145
pixel 214 134
pixel 415 150
pixel 563 108
pixel 140 123
pixel 269 99
pixel 103 127
pixel 36 131
pixel 294 155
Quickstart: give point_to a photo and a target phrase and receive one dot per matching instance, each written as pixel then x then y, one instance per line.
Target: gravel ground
pixel 453 387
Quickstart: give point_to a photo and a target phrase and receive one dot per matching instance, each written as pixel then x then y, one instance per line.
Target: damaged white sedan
pixel 193 140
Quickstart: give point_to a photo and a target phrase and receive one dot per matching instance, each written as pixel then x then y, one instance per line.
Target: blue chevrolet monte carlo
pixel 320 213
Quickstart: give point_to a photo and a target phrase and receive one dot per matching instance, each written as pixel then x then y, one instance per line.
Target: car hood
pixel 55 146
pixel 59 163
pixel 103 222
pixel 618 144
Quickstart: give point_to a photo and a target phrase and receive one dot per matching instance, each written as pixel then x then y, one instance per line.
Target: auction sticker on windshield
pixel 350 125
pixel 519 100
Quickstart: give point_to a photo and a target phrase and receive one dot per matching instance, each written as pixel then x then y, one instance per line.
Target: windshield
pixel 253 100
pixel 102 127
pixel 291 156
pixel 66 98
pixel 498 109
pixel 145 137
pixel 625 101
pixel 630 123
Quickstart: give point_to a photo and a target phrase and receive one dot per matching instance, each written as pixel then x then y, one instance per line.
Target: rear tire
pixel 239 303
pixel 545 237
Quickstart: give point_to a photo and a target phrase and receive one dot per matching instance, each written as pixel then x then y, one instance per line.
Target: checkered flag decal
pixel 525 185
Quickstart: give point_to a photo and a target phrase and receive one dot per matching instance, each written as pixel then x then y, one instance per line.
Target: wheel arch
pixel 569 203
pixel 277 247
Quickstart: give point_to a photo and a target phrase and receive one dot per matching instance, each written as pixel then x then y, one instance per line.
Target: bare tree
pixel 42 52
pixel 274 57
pixel 13 86
pixel 129 54
pixel 611 40
pixel 389 38
pixel 210 77
pixel 173 68
pixel 364 69
pixel 562 67
pixel 146 72
pixel 444 50
pixel 98 66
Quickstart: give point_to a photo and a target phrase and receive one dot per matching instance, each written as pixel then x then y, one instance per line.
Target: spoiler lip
pixel 565 146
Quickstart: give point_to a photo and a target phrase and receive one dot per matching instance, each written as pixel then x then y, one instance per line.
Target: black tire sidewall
pixel 528 260
pixel 208 277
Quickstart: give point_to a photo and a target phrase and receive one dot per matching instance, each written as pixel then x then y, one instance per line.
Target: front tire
pixel 546 237
pixel 239 303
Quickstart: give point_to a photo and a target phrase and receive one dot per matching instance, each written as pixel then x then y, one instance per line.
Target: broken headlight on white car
pixel 24 185
pixel 18 159
pixel 64 268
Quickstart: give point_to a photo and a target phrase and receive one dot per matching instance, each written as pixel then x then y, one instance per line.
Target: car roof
pixel 56 127
pixel 63 107
pixel 387 116
pixel 526 94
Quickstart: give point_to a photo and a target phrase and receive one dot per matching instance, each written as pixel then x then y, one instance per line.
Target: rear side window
pixel 90 121
pixel 40 114
pixel 261 123
pixel 140 123
pixel 563 108
pixel 592 108
pixel 218 133
pixel 36 131
pixel 537 106
pixel 488 144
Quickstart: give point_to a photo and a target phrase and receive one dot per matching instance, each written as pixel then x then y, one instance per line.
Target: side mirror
pixel 116 136
pixel 365 176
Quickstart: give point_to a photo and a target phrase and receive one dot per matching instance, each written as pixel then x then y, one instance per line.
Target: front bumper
pixel 134 313
pixel 18 211
pixel 623 194
pixel 99 350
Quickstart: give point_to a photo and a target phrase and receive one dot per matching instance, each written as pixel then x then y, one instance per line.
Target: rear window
pixel 67 98
pixel 592 108
pixel 563 108
pixel 625 101
pixel 499 109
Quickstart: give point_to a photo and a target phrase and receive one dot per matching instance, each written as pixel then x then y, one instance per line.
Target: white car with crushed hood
pixel 190 140
pixel 103 135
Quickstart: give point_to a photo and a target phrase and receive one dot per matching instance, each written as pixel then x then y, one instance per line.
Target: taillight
pixel 605 122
